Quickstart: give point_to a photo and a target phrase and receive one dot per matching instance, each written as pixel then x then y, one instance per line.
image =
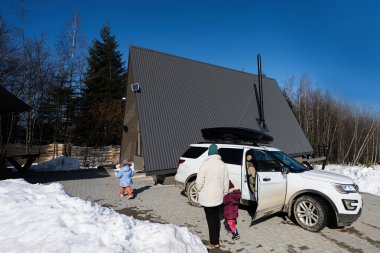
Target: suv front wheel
pixel 192 194
pixel 310 213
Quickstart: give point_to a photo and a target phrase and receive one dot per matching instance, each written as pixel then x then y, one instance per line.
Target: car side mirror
pixel 307 165
pixel 284 170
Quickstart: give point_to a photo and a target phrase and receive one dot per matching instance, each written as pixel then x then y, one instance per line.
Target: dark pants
pixel 213 222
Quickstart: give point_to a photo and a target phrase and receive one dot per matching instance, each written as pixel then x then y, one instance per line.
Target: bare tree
pixel 71 52
pixel 36 75
pixel 351 133
pixel 364 143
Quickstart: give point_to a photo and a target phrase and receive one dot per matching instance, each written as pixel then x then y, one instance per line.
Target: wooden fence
pixel 87 156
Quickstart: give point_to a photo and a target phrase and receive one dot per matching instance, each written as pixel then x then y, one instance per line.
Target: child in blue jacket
pixel 125 174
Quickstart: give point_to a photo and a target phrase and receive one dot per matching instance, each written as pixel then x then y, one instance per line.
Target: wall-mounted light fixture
pixel 135 87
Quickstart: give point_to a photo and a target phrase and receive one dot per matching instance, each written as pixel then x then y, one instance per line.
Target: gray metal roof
pixel 180 96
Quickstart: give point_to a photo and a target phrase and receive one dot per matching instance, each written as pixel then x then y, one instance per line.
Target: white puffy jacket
pixel 212 181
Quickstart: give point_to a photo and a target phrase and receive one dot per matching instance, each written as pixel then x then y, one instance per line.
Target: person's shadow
pixel 137 191
pixel 251 209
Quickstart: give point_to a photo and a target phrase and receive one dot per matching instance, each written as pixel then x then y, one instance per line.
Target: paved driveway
pixel 165 204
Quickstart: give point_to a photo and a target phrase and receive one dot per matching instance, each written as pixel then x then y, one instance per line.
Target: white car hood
pixel 326 176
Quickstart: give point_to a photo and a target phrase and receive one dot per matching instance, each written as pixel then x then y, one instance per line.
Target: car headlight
pixel 346 188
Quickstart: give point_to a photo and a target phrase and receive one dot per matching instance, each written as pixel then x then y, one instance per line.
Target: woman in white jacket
pixel 212 184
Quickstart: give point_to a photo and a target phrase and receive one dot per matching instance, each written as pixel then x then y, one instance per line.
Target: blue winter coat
pixel 125 174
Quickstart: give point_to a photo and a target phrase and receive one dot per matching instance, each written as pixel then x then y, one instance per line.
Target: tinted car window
pixel 264 162
pixel 194 152
pixel 231 155
pixel 293 164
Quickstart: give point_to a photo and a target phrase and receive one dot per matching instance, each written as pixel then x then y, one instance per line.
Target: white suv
pixel 313 197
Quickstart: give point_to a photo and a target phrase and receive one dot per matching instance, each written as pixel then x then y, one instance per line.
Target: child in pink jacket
pixel 231 207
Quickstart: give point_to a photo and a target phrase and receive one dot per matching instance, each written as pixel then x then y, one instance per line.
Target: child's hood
pixel 126 168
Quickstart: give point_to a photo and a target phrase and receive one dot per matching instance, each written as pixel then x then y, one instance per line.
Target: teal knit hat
pixel 213 150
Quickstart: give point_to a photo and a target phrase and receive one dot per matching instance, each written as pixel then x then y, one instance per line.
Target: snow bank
pixel 58 164
pixel 43 218
pixel 367 178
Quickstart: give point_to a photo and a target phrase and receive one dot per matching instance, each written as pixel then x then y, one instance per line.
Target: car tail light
pixel 180 161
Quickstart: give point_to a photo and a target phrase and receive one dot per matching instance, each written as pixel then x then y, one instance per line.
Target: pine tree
pixel 104 88
pixel 106 74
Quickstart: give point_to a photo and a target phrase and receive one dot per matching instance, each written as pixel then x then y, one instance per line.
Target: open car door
pixel 271 183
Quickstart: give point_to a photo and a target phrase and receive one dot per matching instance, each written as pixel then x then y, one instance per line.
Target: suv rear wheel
pixel 192 194
pixel 310 213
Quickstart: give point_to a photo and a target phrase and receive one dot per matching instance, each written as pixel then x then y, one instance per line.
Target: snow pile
pixel 367 178
pixel 60 163
pixel 43 218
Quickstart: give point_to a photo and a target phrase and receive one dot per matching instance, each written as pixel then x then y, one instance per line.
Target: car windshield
pixel 293 164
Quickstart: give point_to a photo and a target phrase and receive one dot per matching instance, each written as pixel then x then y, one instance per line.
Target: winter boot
pixel 235 235
pixel 226 226
pixel 213 246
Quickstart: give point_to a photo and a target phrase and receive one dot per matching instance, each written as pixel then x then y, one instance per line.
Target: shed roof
pixel 11 103
pixel 180 96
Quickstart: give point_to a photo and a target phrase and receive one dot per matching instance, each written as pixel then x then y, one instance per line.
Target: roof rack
pixel 229 142
pixel 236 135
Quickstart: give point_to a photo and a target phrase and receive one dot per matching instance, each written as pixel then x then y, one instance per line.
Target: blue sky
pixel 335 43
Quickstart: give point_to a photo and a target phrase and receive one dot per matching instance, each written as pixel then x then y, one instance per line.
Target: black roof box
pixel 236 134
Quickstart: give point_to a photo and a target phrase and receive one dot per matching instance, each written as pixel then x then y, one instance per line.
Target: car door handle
pixel 266 179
